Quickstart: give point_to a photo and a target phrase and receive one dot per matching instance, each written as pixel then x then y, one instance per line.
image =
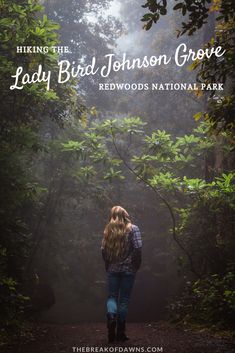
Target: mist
pixel 116 120
pixel 68 261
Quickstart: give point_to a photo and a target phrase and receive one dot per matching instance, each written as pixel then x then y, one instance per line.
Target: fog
pixel 68 261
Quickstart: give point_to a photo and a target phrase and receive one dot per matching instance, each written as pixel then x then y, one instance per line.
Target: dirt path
pixel 160 336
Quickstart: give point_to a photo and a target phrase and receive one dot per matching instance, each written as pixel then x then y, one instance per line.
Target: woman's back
pixel 128 259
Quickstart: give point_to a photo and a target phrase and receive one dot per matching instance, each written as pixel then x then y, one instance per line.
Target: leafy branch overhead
pixel 196 12
pixel 219 17
pixel 169 166
pixel 160 158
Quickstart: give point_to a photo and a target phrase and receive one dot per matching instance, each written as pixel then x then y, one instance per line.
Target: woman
pixel 121 251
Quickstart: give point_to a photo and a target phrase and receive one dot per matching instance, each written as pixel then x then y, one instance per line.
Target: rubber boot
pixel 121 328
pixel 111 325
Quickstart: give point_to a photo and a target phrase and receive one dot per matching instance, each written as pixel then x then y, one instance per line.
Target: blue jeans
pixel 120 285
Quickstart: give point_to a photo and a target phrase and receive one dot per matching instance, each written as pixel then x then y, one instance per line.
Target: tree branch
pixel 158 194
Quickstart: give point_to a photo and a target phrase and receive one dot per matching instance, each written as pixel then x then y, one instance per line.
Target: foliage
pixel 90 161
pixel 204 209
pixel 197 12
pixel 162 162
pixel 205 225
pixel 12 302
pixel 220 112
pixel 210 300
pixel 220 109
pixel 22 24
pixel 19 190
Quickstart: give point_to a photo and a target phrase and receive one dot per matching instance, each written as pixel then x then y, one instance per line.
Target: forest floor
pixel 159 336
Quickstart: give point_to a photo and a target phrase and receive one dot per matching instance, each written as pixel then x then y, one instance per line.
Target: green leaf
pixel 148 25
pixel 163 11
pixel 178 6
pixel 6 22
pixel 197 116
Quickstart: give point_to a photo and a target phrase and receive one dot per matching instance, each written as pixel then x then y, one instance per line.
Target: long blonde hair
pixel 115 233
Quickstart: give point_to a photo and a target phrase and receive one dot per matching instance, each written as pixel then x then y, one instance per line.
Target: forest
pixel 71 152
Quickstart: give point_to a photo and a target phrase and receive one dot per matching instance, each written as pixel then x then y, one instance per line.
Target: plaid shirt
pixel 132 258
